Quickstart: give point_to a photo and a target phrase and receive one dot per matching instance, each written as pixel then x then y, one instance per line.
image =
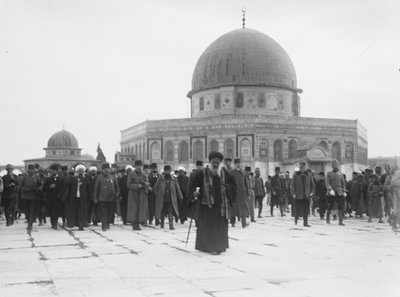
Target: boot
pixel 272 211
pixel 171 223
pixel 281 210
pixel 341 215
pixel 328 217
pixel 244 223
pixel 259 212
pixel 162 223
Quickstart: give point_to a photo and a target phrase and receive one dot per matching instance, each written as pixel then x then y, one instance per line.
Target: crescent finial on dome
pixel 244 17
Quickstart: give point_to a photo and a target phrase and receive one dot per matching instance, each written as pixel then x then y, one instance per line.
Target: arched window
pixel 214 146
pixel 155 151
pixel 323 144
pixel 229 150
pixel 169 152
pixel 183 152
pixel 245 149
pixel 263 150
pixel 198 150
pixel 201 103
pixel 336 151
pixel 349 152
pixel 292 149
pixel 278 150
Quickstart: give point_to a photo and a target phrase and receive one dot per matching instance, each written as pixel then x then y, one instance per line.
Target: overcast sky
pixel 98 67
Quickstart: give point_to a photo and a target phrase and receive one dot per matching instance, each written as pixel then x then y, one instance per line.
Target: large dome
pixel 62 139
pixel 244 57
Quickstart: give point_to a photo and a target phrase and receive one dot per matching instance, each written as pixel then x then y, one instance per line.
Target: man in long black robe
pixel 214 207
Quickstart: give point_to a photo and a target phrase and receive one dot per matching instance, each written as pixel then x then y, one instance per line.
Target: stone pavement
pixel 269 258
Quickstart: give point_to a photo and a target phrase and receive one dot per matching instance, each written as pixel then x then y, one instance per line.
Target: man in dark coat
pixel 320 193
pixel 168 193
pixel 106 190
pixel 52 188
pixel 10 195
pixel 214 209
pixel 93 209
pixel 77 195
pixel 302 189
pixel 277 192
pixel 336 191
pixel 138 186
pixel 123 191
pixel 192 206
pixel 29 188
pixel 183 181
pixel 152 177
pixel 241 189
pixel 259 191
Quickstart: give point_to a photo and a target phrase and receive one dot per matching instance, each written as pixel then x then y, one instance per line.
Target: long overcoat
pixel 159 190
pixel 137 197
pixel 70 193
pixel 54 204
pixel 241 193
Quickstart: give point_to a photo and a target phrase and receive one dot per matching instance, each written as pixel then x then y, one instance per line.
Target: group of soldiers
pixel 77 197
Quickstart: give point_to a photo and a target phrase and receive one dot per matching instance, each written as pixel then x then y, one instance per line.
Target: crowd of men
pixel 141 195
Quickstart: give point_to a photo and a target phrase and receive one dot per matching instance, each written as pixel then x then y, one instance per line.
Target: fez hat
pixel 54 167
pixel 277 169
pixel 321 173
pixel 214 155
pixel 64 168
pixel 36 165
pixel 167 167
pixel 227 159
pixel 236 161
pixel 146 166
pixel 105 166
pixel 9 167
pixel 247 168
pixel 138 163
pixel 31 167
pixel 199 163
pixel 153 166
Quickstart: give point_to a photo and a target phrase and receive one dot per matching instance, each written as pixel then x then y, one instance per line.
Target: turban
pixel 80 167
pixel 181 168
pixel 128 167
pixel 92 168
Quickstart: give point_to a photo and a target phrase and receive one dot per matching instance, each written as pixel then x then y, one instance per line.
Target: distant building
pixel 393 161
pixel 245 104
pixel 62 149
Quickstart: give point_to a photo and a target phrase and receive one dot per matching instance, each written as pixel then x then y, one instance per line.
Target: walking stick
pixel 190 227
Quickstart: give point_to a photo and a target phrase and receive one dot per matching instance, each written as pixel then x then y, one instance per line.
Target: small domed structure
pixel 62 139
pixel 88 157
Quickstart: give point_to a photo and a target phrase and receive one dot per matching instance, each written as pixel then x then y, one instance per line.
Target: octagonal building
pixel 245 103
